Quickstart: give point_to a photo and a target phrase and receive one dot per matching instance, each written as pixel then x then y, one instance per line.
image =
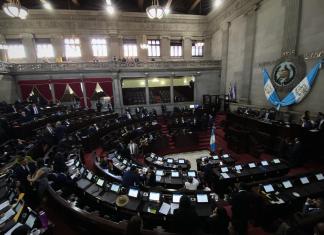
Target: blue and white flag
pixel 212 141
pixel 296 95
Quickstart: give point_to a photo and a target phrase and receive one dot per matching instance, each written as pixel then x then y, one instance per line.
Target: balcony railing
pixel 110 66
pixel 4 67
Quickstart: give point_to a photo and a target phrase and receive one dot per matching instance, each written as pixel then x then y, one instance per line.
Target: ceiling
pixel 196 7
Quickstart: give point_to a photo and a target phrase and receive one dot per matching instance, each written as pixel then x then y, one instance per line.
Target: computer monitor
pixel 115 188
pixel 100 182
pixel 264 163
pixel 191 173
pixel 18 206
pixel 202 198
pixel 238 167
pixel 215 157
pixel 319 176
pixel 30 222
pixel 181 161
pixel 159 173
pixel 77 163
pixel 304 180
pixel 252 165
pixel 160 159
pixel 82 170
pixel 224 169
pixel 124 161
pixel 225 156
pixel 175 174
pixel 170 160
pixel 176 198
pixel 268 188
pixel 132 192
pixel 89 176
pixel 287 184
pixel 277 161
pixel 154 196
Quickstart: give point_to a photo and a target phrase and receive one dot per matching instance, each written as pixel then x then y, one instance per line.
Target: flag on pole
pixel 212 141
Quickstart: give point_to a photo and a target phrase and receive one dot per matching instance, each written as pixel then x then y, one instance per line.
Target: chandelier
pixel 14 9
pixel 155 11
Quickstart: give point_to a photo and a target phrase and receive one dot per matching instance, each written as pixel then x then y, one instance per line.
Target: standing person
pixel 131 178
pixel 241 207
pixel 133 148
pixel 186 220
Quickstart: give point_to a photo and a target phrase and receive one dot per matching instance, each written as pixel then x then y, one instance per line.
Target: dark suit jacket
pixel 186 221
pixel 241 205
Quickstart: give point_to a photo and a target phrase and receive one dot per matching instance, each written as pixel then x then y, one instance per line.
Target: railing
pixel 112 66
pixel 4 67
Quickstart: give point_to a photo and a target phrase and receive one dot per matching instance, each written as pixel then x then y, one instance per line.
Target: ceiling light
pixel 109 8
pixel 14 9
pixel 218 3
pixel 47 5
pixel 155 11
pixel 199 44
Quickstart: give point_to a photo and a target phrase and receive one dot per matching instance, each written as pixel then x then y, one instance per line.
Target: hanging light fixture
pixel 155 11
pixel 14 9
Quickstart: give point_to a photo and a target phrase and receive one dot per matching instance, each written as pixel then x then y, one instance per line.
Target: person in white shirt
pixel 133 148
pixel 191 184
pixel 35 110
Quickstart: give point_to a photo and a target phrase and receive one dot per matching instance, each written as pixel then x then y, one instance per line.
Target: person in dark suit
pixel 313 205
pixel 131 178
pixel 24 117
pixel 59 131
pixel 34 110
pixel 241 207
pixel 186 220
pixel 21 171
pixel 49 135
pixel 150 177
pixel 218 221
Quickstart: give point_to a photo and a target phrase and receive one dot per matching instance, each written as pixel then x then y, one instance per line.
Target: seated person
pixel 307 123
pixel 191 184
pixel 131 177
pixel 218 221
pixel 150 177
pixel 313 205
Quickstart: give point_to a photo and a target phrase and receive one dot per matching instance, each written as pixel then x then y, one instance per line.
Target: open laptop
pixel 111 195
pixel 134 201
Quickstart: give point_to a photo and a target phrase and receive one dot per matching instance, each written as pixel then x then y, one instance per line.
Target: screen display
pixel 160 159
pixel 81 170
pixel 192 106
pixel 115 188
pixel 224 169
pixel 154 196
pixel 319 176
pixel 276 160
pixel 18 206
pixel 175 174
pixel 238 167
pixel 252 165
pixel 268 188
pixel 176 198
pixel 215 157
pixel 264 163
pixel 133 192
pixel 304 180
pixel 89 176
pixel 225 156
pixel 100 182
pixel 159 172
pixel 202 198
pixel 191 174
pixel 77 164
pixel 181 161
pixel 287 184
pixel 125 162
pixel 169 160
pixel 31 221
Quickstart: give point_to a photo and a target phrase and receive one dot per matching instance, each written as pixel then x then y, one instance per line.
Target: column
pixel 207 48
pixel 187 44
pixel 245 91
pixel 225 37
pixel 86 50
pixel 172 89
pixel 30 47
pixel 165 48
pixel 142 53
pixel 84 94
pixel 3 56
pixel 117 93
pixel 115 46
pixel 51 85
pixel 147 92
pixel 58 45
pixel 291 27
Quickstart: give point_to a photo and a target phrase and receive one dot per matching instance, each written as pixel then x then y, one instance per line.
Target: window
pixel 176 48
pixel 183 88
pixel 159 90
pixel 99 47
pixel 72 47
pixel 16 49
pixel 197 49
pixel 130 48
pixel 153 48
pixel 133 90
pixel 44 48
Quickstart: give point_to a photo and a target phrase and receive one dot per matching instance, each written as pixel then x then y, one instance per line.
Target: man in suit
pixel 133 148
pixel 49 134
pixel 24 117
pixel 59 131
pixel 34 110
pixel 22 170
pixel 241 207
pixel 131 178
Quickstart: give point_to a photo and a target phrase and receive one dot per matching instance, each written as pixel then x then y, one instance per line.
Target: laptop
pixel 111 195
pixel 154 197
pixel 224 169
pixel 268 188
pixel 134 201
pixel 159 173
pixel 264 163
pixel 192 174
pixel 276 161
pixel 238 168
pixel 319 176
pixel 304 180
pixel 252 165
pixel 287 184
pixel 175 174
pixel 132 192
pixel 170 160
